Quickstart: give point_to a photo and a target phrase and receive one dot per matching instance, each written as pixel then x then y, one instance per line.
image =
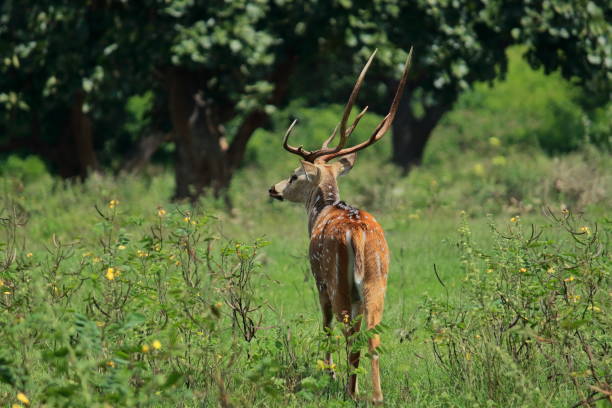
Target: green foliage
pixel 532 314
pixel 25 169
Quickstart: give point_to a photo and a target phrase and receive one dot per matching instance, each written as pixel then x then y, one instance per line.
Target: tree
pixel 459 42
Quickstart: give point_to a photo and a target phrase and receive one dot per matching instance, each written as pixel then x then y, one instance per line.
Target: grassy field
pixel 114 296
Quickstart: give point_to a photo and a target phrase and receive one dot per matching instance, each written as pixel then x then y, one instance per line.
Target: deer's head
pixel 315 170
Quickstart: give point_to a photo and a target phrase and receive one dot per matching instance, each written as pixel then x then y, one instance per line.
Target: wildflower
pixel 113 203
pixel 145 348
pixel 218 304
pixel 16 406
pixel 321 365
pixel 156 344
pixel 100 324
pixel 574 298
pixel 161 212
pixel 468 356
pixel 110 363
pixel 494 141
pixel 523 270
pixel 177 263
pixel 345 317
pixel 86 254
pixel 7 292
pixel 550 270
pixel 571 278
pixel 478 169
pixel 110 274
pixel 499 161
pixel 565 211
pixel 141 253
pixel 413 216
pixel 489 270
pixel 121 247
pixel 194 222
pixel 477 336
pixel 29 254
pixel 186 219
pixel 514 219
pixel 594 308
pixel 96 259
pixel 585 230
pixel 23 398
pixel 1 282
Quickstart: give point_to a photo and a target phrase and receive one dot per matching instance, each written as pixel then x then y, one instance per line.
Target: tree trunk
pixel 204 159
pixel 200 149
pixel 76 155
pixel 411 133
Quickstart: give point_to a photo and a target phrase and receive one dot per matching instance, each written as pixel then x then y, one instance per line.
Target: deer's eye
pixel 293 178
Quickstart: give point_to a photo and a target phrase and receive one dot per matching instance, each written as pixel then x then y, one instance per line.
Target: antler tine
pixel 349 130
pixel 384 125
pixel 295 150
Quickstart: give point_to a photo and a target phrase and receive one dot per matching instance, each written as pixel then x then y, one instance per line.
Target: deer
pixel 349 256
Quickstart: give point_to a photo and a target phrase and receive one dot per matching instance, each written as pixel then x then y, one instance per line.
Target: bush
pixel 533 322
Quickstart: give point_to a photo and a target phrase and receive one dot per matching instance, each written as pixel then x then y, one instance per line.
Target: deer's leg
pixel 328 316
pixel 353 357
pixel 374 310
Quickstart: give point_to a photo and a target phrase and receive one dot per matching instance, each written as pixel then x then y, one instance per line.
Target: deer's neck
pixel 324 195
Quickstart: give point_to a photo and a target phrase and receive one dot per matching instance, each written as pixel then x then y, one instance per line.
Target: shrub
pixel 533 322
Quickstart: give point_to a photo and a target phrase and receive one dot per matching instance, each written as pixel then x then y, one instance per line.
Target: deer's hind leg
pixel 374 298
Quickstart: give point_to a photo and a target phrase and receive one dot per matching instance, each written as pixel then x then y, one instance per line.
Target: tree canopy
pixel 218 69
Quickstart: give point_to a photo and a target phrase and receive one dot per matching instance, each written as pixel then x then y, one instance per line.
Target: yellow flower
pixel 320 364
pixel 156 344
pixel 157 247
pixel 413 216
pixel 186 219
pixel 594 308
pixel 121 247
pixel 23 398
pixel 514 219
pixel 477 336
pixel 16 406
pixel 110 363
pixel 489 270
pixel 218 304
pixel 499 161
pixel 141 254
pixel 85 254
pixel 1 282
pixel 468 356
pixel 523 270
pixel 550 270
pixel 145 348
pixel 571 278
pixel 574 298
pixel 113 203
pixel 478 169
pixel 29 254
pixel 494 141
pixel 7 292
pixel 585 230
pixel 96 259
pixel 100 324
pixel 110 274
pixel 161 212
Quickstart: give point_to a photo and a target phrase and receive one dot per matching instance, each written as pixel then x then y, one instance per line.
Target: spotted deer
pixel 349 256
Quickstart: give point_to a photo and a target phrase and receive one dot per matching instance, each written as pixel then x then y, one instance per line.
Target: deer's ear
pixel 345 164
pixel 312 171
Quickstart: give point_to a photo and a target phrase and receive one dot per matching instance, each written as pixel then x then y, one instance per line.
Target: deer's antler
pixel 325 153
